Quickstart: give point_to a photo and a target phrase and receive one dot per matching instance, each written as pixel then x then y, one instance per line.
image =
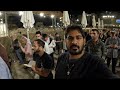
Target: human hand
pixel 33 68
pixel 111 46
pixel 115 46
pixel 19 43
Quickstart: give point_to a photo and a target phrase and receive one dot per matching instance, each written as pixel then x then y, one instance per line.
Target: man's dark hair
pixel 95 30
pixel 38 32
pixel 19 32
pixel 74 27
pixel 40 42
pixel 44 35
pixel 56 33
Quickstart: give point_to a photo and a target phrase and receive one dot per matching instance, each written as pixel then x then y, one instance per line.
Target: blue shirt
pixel 4 70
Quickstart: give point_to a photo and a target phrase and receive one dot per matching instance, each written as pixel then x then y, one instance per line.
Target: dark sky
pixel 80 12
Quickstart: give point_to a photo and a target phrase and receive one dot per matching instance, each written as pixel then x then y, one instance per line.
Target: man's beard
pixel 37 51
pixel 76 51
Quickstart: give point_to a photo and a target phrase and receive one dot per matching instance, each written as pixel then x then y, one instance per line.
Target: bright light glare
pixel 0 13
pixel 41 14
pixel 20 13
pixel 52 16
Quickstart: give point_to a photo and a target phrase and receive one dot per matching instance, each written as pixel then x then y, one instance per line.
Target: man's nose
pixel 74 41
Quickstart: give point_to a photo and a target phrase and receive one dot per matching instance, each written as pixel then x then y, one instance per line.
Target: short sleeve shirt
pixel 44 61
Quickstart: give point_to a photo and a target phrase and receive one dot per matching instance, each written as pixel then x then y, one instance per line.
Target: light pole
pixel 52 16
pixel 55 21
pixel 6 23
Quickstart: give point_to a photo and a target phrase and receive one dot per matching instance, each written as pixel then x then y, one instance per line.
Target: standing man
pixel 17 49
pixel 78 64
pixel 39 36
pixel 51 44
pixel 44 63
pixel 58 43
pixel 95 46
pixel 113 45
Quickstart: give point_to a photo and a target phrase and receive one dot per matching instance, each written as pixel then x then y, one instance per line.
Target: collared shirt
pixel 112 53
pixel 96 49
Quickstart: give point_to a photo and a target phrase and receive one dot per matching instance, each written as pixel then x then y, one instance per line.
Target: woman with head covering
pixel 27 49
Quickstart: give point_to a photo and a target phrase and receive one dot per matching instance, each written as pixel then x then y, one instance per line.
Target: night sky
pixel 80 12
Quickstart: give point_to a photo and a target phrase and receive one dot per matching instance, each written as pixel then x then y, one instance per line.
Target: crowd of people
pixel 87 55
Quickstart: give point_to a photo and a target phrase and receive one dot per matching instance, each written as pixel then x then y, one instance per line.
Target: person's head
pixel 100 32
pixel 109 33
pixel 75 39
pixel 38 45
pixel 113 33
pixel 19 32
pixel 38 35
pixel 56 34
pixel 24 38
pixel 94 33
pixel 45 37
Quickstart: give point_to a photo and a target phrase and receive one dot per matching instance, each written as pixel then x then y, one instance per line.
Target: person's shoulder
pixel 2 62
pixel 108 38
pixel 2 48
pixel 47 55
pixel 63 56
pixel 89 41
pixel 93 58
pixel 46 44
pixel 1 45
pixel 118 38
pixel 101 42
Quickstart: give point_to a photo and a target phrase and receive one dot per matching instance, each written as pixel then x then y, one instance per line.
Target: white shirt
pixel 46 48
pixel 52 45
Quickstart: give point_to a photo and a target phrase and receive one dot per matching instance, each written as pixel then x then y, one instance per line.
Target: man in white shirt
pixel 51 43
pixel 39 36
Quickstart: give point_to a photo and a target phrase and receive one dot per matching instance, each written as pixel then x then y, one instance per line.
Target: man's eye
pixel 70 38
pixel 79 37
